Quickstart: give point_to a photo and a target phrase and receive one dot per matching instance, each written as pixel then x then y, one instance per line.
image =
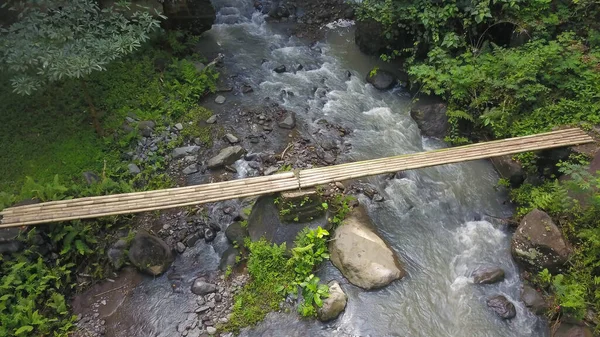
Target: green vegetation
pixel 34 284
pixel 49 133
pixel 513 68
pixel 575 205
pixel 273 276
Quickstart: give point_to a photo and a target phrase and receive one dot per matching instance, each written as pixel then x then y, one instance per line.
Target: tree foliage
pixel 57 39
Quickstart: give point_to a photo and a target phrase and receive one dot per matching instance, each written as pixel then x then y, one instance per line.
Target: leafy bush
pixel 275 276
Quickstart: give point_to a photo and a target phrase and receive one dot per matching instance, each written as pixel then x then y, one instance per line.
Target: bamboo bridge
pixel 99 206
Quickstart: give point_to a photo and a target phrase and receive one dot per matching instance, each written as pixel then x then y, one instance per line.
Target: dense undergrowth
pixel 277 274
pixel 49 133
pixel 512 68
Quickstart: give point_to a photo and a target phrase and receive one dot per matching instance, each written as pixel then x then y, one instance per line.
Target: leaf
pixel 23 329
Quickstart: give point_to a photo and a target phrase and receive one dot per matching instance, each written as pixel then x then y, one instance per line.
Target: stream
pixel 434 218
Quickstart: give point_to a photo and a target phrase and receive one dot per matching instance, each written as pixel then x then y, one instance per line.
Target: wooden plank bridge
pixel 93 207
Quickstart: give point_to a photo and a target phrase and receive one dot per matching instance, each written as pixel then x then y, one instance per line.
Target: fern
pixel 460 114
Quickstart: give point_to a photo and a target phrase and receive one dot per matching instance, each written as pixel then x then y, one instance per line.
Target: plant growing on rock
pixel 55 40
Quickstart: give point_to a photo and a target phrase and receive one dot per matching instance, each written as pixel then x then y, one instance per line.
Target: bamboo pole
pixel 423 158
pixel 136 202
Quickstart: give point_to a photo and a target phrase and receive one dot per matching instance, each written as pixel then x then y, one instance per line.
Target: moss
pixel 195 126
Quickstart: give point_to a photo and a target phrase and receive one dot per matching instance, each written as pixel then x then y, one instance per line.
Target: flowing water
pixel 433 218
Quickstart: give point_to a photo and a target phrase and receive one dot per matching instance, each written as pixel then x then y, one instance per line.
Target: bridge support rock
pixel 538 243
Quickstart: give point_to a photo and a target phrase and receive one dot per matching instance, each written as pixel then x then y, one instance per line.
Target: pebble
pixel 179 126
pixel 220 99
pixel 211 330
pixel 180 247
pixel 212 119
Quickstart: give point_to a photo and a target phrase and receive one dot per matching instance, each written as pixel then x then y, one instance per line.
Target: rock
pixel 567 329
pixel 288 120
pixel 220 99
pixel 192 16
pixel 368 37
pixel 300 206
pixel 431 119
pixel 235 233
pixel 381 79
pixel 509 169
pixel 231 138
pixel 271 170
pixel 211 330
pixel 361 255
pixel 150 254
pixel 265 221
pixel 229 258
pixel 538 243
pixel 179 126
pixel 181 152
pixel 502 307
pixel 488 275
pixel 334 304
pixel 146 128
pixel 191 239
pixel 90 178
pixel 280 69
pixel 534 300
pixel 116 253
pixel 9 240
pixel 133 169
pixel 340 185
pixel 212 119
pixel 209 234
pixel 180 247
pixel 190 169
pixel 201 287
pixel 246 89
pixel 227 156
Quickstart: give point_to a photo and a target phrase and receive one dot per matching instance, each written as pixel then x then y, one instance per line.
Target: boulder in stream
pixel 227 156
pixel 502 307
pixel 538 243
pixel 334 304
pixel 361 255
pixel 488 275
pixel 431 119
pixel 150 254
pixel 534 300
pixel 381 79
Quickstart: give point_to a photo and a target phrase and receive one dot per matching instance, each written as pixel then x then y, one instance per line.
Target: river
pixel 433 218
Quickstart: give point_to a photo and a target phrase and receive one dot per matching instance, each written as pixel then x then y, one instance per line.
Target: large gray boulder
pixel 538 243
pixel 502 307
pixel 334 304
pixel 361 255
pixel 150 254
pixel 194 16
pixel 368 37
pixel 567 329
pixel 534 300
pixel 227 156
pixel 509 169
pixel 381 79
pixel 431 119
